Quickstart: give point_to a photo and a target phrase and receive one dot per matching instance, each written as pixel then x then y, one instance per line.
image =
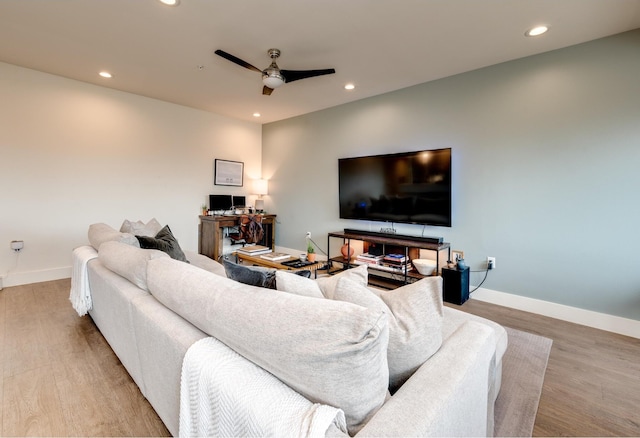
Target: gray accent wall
pixel 546 169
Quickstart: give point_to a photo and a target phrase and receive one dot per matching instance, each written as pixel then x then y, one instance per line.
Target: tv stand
pixel 386 243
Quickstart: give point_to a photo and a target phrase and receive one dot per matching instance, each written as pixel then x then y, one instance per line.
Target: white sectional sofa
pixel 342 349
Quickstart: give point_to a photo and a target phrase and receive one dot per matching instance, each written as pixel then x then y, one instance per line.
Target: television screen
pixel 410 187
pixel 220 202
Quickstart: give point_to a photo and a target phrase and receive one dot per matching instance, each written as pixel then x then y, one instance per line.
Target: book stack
pixel 396 262
pixel 275 256
pixel 253 250
pixel 369 259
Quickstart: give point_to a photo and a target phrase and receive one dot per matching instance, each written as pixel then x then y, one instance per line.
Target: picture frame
pixel 228 173
pixel 456 254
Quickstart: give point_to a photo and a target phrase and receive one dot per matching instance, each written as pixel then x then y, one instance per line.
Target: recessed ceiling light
pixel 538 30
pixel 105 74
pixel 349 87
pixel 170 2
pixel 256 114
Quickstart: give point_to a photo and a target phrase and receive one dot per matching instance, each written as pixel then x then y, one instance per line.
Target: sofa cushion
pixel 323 287
pixel 128 261
pixel 164 241
pixel 415 321
pixel 331 352
pixel 327 284
pixel 100 233
pixel 139 228
pixel 252 275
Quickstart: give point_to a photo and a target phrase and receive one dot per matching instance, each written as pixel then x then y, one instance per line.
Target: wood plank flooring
pixel 58 376
pixel 592 383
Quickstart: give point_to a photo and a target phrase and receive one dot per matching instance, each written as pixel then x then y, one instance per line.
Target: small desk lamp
pixel 260 188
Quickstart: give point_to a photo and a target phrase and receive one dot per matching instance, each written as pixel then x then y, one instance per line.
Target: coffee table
pixel 259 261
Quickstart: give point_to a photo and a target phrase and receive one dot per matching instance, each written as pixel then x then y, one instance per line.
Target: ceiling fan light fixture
pixel 170 2
pixel 273 80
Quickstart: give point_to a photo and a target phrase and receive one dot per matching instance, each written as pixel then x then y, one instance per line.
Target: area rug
pixel 523 367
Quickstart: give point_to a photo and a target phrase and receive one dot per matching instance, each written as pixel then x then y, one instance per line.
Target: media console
pixel 382 244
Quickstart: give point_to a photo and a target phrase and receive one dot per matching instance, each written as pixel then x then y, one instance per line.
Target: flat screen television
pixel 409 187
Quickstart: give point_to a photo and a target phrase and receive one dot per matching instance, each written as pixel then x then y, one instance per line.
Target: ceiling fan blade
pixel 236 60
pixel 296 75
pixel 267 91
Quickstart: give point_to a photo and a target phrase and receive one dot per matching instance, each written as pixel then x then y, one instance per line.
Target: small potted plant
pixel 311 252
pixel 204 209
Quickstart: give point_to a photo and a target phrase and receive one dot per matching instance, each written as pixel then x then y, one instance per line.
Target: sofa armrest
pixel 447 395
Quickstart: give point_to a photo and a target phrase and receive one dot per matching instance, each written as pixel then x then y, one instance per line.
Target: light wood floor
pixel 60 378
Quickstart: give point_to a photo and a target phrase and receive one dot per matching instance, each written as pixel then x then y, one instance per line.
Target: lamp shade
pixel 260 187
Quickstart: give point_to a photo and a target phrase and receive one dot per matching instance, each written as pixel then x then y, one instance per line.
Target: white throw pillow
pixel 415 321
pixel 139 228
pixel 296 284
pixel 327 284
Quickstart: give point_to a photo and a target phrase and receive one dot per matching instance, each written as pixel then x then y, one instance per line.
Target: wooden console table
pixel 211 233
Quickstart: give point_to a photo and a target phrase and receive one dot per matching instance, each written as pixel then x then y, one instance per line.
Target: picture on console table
pixel 228 173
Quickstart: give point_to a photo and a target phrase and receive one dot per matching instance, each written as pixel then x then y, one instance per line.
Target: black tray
pixel 298 263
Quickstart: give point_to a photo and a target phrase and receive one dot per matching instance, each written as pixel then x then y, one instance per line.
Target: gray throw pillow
pixel 164 241
pixel 252 275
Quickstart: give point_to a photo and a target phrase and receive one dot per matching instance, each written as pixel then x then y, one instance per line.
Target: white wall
pixel 546 156
pixel 72 154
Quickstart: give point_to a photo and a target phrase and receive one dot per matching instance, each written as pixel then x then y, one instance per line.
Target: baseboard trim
pixel 20 278
pixel 589 318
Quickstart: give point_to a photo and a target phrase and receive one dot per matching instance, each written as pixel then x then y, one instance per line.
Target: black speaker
pixel 455 285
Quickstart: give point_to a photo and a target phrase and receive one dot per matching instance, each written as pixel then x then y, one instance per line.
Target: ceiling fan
pixel 273 76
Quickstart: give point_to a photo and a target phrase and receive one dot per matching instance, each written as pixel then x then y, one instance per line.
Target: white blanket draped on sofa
pixel 80 294
pixel 223 394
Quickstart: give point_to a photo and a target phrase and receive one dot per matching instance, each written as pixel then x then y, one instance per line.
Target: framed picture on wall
pixel 456 254
pixel 228 173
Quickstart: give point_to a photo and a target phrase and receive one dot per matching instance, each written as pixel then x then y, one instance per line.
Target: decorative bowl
pixel 425 266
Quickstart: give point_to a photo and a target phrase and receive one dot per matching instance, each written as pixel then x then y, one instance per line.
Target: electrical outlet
pixel 308 234
pixel 491 262
pixel 17 245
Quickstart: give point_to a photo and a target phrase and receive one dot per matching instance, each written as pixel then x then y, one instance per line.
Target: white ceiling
pixel 379 45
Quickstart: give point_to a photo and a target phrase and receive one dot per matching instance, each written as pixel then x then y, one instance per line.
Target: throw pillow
pixel 164 241
pixel 297 284
pixel 331 352
pixel 359 275
pixel 252 275
pixel 139 228
pixel 415 321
